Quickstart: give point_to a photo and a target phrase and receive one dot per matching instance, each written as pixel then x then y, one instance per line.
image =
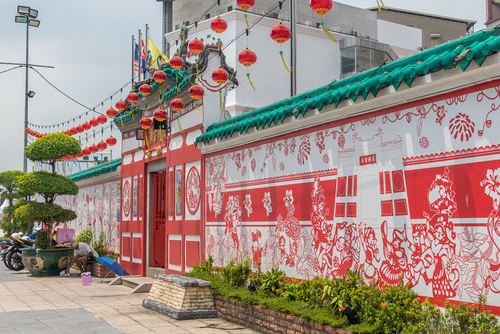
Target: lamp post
pixel 27 15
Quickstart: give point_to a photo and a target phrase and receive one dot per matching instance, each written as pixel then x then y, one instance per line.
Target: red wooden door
pixel 159 218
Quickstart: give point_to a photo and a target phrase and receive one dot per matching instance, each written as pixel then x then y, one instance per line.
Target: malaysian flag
pixel 143 57
pixel 136 59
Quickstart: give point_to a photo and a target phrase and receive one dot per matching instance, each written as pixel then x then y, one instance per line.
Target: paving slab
pixel 64 305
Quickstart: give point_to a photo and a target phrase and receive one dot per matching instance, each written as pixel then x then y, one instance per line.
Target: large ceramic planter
pixel 46 262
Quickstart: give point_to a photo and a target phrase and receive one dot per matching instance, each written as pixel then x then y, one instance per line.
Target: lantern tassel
pixel 198 109
pixel 220 100
pixel 179 123
pixel 160 94
pixel 147 143
pixel 197 73
pixel 383 6
pixel 251 83
pixel 110 155
pixel 161 134
pixel 177 84
pixel 330 36
pixel 87 164
pixel 284 63
pixel 248 26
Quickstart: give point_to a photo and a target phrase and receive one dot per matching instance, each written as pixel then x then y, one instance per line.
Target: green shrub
pixel 85 236
pixel 271 281
pixel 236 274
pixel 41 239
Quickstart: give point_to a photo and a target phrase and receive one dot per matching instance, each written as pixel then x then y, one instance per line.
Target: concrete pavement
pixel 63 305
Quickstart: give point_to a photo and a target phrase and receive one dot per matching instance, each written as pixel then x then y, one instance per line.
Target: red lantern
pixel 281 33
pixel 63 158
pixel 220 75
pixel 120 105
pixel 176 62
pixel 160 115
pixel 102 119
pixel 66 132
pixel 111 112
pixel 177 104
pixel 111 141
pixel 94 122
pixel 79 129
pixel 80 155
pixel 245 4
pixel 145 90
pixel 196 46
pixel 73 131
pixel 86 126
pixel 86 151
pixel 93 148
pixel 102 145
pixel 160 76
pixel 196 92
pixel 321 7
pixel 247 57
pixel 145 123
pixel 132 97
pixel 218 25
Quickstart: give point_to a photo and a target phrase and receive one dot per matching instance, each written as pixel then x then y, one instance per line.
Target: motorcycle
pixel 4 246
pixel 13 260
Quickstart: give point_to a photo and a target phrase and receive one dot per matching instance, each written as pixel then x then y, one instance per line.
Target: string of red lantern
pixel 280 34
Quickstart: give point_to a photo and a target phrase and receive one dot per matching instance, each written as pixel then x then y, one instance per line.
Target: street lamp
pixel 27 15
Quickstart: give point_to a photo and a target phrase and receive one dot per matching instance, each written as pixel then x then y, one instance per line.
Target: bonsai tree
pixel 10 192
pixel 47 150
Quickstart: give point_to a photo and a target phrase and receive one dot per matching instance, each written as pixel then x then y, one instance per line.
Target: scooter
pixel 4 246
pixel 13 260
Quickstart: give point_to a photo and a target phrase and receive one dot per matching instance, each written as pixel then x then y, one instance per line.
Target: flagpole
pixel 146 43
pixel 140 55
pixel 133 60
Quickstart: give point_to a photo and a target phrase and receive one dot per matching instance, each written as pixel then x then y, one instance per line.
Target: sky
pixel 89 44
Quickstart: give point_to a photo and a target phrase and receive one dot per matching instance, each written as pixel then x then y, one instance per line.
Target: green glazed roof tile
pixel 106 167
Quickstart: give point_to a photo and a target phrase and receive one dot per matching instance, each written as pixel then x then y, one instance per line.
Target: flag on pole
pixel 157 57
pixel 136 59
pixel 143 57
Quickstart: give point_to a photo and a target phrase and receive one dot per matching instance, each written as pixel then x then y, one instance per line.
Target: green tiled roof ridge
pixel 459 52
pixel 106 167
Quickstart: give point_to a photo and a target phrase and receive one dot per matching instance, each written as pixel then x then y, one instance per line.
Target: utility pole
pixel 293 47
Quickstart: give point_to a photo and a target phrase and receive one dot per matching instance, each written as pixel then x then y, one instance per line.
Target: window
pixel 207 16
pixel 105 159
pixel 358 59
pixel 230 8
pixel 177 27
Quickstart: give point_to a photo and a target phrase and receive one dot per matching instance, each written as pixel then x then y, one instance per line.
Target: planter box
pixel 268 321
pixel 99 270
pixel 46 262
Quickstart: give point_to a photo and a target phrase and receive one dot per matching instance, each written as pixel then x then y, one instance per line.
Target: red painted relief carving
pixel 266 201
pixel 215 179
pixel 248 204
pixel 463 126
pixel 341 141
pixel 440 114
pixel 232 217
pixel 127 193
pixel 321 230
pixel 288 147
pixel 304 149
pixel 193 190
pixel 456 100
pixel 395 258
pixel 423 142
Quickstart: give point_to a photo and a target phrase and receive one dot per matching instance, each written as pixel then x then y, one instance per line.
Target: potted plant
pixel 46 260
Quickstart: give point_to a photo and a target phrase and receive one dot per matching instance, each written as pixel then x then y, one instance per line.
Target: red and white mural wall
pixel 411 192
pixel 98 207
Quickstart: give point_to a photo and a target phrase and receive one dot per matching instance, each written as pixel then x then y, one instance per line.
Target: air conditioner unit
pixel 421 48
pixel 356 33
pixel 435 35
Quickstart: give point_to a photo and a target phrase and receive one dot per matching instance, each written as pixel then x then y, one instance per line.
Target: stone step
pixel 138 284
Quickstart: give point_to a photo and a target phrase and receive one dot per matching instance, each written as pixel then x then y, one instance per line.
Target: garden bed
pixel 273 303
pixel 268 321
